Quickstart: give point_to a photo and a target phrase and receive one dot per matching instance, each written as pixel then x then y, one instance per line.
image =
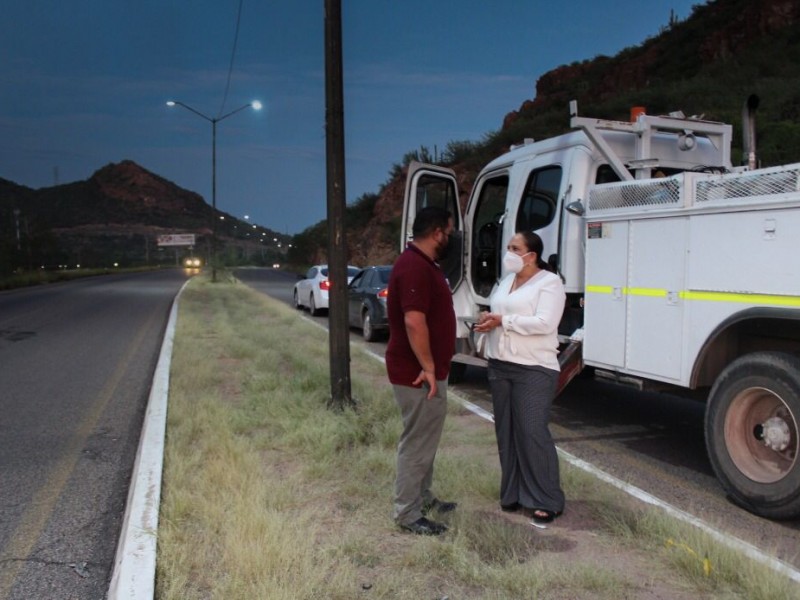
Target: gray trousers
pixel 522 397
pixel 423 422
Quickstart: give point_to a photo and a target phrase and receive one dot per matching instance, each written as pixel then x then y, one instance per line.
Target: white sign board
pixel 176 239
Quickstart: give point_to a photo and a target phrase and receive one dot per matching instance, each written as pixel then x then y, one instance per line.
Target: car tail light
pixel 325 285
pixel 384 293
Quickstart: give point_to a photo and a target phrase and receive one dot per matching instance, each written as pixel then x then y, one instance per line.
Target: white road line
pixel 733 542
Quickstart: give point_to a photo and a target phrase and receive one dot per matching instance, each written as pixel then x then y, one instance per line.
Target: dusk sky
pixel 85 84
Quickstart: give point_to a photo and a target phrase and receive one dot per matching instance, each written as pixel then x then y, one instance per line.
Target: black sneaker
pixel 439 506
pixel 423 526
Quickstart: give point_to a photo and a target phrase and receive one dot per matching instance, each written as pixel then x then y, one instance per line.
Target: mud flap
pixel 570 360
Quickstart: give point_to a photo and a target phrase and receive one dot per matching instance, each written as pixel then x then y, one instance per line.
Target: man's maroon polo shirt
pixel 417 283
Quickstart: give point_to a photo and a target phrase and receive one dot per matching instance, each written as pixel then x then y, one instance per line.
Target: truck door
pixel 486 217
pixel 431 185
pixel 535 209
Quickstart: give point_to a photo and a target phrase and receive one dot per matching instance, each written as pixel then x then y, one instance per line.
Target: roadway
pixel 652 441
pixel 76 364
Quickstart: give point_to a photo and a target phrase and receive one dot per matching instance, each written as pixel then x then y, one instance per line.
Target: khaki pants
pixel 423 422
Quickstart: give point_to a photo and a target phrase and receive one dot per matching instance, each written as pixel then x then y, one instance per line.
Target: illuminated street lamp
pixel 256 105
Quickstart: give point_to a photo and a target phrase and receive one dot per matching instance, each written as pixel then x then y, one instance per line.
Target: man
pixel 422 329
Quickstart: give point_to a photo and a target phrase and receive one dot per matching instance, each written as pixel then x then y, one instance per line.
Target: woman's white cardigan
pixel 531 313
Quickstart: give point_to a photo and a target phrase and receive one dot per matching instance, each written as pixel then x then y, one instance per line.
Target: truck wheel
pixel 751 430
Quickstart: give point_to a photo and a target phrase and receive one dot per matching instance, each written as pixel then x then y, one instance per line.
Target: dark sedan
pixel 366 300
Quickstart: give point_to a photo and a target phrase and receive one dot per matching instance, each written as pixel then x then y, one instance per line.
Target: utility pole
pixel 339 333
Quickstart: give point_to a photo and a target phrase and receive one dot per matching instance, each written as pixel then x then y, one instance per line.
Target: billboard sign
pixel 176 239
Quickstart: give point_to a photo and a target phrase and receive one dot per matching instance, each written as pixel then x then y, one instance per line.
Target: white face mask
pixel 513 262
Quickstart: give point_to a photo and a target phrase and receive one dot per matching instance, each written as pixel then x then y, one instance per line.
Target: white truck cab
pixel 680 270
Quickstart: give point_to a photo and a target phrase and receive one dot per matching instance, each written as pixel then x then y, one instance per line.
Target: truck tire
pixel 751 430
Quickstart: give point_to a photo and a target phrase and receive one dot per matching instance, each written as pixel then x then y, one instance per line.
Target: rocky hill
pixel 115 216
pixel 707 64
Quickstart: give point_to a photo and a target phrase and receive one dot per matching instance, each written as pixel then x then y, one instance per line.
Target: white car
pixel 312 290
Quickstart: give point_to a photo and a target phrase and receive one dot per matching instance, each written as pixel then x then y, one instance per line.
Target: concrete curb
pixel 134 572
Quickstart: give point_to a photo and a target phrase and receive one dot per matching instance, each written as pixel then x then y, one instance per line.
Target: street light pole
pixel 214 217
pixel 256 105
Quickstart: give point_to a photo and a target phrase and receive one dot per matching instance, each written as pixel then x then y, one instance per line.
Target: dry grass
pixel 268 494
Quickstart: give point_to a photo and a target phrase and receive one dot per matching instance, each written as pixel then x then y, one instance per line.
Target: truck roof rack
pixel 645 127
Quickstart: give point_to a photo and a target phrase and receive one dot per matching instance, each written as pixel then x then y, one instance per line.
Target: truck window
pixel 433 191
pixel 605 174
pixel 486 246
pixel 538 206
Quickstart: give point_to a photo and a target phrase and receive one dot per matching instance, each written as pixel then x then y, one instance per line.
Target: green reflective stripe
pixel 741 298
pixel 599 289
pixel 607 289
pixel 653 292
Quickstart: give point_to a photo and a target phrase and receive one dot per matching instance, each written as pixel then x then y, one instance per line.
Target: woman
pixel 522 348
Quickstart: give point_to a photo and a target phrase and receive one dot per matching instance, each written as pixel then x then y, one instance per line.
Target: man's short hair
pixel 429 219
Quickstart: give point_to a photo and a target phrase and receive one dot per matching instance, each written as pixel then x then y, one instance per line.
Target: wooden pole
pixel 339 331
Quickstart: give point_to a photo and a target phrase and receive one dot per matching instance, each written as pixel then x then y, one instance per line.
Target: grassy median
pixel 268 494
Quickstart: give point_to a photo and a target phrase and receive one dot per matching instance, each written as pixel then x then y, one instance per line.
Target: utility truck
pixel 682 273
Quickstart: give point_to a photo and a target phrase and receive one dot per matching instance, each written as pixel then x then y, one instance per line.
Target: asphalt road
pixel 76 364
pixel 652 441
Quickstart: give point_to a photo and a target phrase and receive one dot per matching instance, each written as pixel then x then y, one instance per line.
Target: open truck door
pixel 431 185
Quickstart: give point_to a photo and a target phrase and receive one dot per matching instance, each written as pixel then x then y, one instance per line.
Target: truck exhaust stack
pixel 749 132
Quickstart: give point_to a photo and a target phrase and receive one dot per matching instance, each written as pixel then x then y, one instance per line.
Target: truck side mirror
pixel 576 208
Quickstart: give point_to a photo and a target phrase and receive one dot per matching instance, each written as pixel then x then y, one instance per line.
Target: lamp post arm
pixel 256 105
pixel 233 112
pixel 195 111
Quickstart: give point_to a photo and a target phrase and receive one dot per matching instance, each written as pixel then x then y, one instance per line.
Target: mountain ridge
pixel 116 216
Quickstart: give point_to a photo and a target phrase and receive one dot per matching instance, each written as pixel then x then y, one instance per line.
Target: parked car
pixel 366 301
pixel 312 290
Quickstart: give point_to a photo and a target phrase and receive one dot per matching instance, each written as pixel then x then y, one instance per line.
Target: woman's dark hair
pixel 534 244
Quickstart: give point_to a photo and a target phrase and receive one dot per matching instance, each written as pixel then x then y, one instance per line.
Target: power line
pixel 233 55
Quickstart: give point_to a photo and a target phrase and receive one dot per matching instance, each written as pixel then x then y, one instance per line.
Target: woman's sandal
pixel 541 516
